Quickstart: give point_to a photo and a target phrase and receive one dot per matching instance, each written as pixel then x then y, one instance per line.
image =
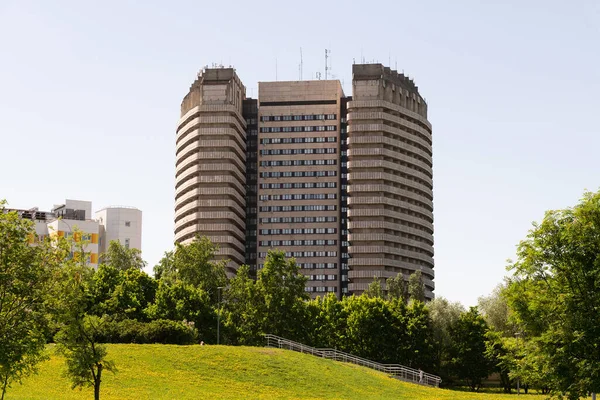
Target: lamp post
pixel 517 334
pixel 219 313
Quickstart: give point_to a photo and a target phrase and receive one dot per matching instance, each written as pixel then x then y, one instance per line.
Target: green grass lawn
pixel 223 372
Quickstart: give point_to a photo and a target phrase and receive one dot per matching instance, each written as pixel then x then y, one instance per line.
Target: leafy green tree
pixel 24 274
pixel 468 348
pixel 242 312
pixel 122 258
pixel 179 301
pixel 374 289
pixel 372 328
pixel 495 311
pixel 501 358
pixel 418 337
pixel 397 288
pixel 77 338
pixel 122 294
pixel 281 297
pixel 164 266
pixel 443 314
pixel 134 293
pixel 555 295
pixel 104 282
pixel 328 317
pixel 416 287
pixel 195 264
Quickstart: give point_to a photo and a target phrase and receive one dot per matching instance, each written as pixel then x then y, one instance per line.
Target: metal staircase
pixel 394 370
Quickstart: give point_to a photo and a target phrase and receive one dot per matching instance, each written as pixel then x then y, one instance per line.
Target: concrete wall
pixel 123 224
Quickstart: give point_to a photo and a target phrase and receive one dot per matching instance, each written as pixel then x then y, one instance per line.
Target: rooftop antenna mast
pixel 327 56
pixel 301 66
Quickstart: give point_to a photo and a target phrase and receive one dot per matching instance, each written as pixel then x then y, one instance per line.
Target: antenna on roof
pixel 301 66
pixel 327 55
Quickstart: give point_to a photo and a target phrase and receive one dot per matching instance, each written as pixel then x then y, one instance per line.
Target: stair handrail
pixel 396 370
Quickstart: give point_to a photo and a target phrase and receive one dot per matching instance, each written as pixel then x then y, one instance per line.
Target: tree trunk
pixel 97 383
pixel 4 384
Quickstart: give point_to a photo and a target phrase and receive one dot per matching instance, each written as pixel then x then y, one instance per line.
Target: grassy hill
pixel 222 372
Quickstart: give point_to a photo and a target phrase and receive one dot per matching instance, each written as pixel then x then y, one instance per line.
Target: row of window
pixel 296 174
pixel 310 117
pixel 298 208
pixel 283 220
pixel 327 139
pixel 277 152
pixel 287 163
pixel 277 129
pixel 317 265
pixel 276 243
pixel 304 196
pixel 322 277
pixel 320 289
pixel 303 254
pixel 298 231
pixel 298 185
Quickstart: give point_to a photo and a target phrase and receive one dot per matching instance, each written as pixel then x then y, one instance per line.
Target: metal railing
pixel 395 370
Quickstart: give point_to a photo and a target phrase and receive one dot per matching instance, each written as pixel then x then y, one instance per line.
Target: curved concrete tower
pixel 211 164
pixel 390 179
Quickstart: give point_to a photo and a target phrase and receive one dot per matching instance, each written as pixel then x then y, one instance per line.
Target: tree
pixel 397 288
pixel 555 294
pixel 329 322
pixel 179 301
pixel 122 258
pixel 77 338
pixel 468 348
pixel 418 342
pixel 495 311
pixel 134 293
pixel 242 312
pixel 416 287
pixel 373 330
pixel 374 289
pixel 444 315
pixel 194 264
pixel 281 296
pixel 24 273
pixel 164 266
pixel 501 358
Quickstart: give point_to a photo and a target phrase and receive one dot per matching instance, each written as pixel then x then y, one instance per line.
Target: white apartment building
pixel 111 223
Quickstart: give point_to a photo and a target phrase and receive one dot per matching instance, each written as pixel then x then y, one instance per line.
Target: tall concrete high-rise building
pixel 299 187
pixel 210 177
pixel 342 184
pixel 390 179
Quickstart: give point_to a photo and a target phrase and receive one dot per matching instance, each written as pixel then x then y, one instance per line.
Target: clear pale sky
pixel 90 96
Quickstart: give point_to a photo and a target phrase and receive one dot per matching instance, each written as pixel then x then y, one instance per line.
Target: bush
pixel 158 331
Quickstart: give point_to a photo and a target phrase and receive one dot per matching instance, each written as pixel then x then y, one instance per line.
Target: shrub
pixel 158 331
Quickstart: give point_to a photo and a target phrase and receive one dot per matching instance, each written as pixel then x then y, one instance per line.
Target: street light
pixel 219 313
pixel 517 334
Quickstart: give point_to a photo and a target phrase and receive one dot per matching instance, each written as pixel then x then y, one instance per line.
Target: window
pixel 128 223
pixel 127 243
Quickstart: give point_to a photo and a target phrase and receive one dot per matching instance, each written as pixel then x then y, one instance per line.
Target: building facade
pixel 299 177
pixel 341 184
pixel 390 179
pixel 210 177
pixel 74 219
pixel 122 224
